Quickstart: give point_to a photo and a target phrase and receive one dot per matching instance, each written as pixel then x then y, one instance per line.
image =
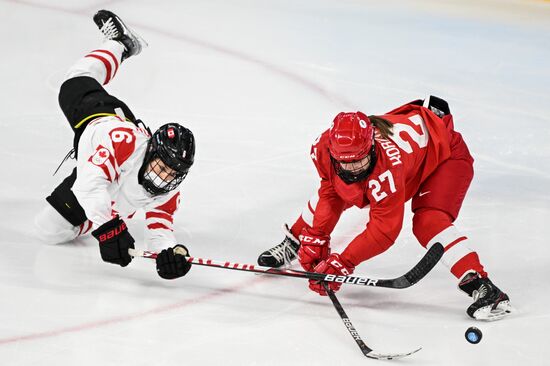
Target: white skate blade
pixel 485 313
pixel 140 39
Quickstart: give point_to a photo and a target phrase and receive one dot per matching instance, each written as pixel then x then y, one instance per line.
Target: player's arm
pixel 159 235
pixel 328 209
pixel 386 219
pixel 315 240
pixel 330 206
pixel 159 221
pixel 103 149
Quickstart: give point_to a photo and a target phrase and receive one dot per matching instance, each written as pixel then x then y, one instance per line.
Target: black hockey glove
pixel 114 242
pixel 172 262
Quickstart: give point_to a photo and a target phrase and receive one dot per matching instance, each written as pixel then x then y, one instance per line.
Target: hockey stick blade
pixel 421 269
pixel 367 351
pixel 393 356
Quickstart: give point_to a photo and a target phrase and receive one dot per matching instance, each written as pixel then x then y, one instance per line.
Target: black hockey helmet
pixel 174 145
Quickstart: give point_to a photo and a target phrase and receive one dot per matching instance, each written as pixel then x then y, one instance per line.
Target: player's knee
pixel 73 94
pixel 52 228
pixel 428 222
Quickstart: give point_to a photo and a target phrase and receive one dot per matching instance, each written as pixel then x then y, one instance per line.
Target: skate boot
pixel 113 28
pixel 437 105
pixel 489 302
pixel 281 254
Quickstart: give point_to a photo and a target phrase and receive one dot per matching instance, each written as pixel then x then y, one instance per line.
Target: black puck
pixel 473 335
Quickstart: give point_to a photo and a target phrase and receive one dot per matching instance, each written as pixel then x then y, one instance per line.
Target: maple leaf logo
pixel 100 156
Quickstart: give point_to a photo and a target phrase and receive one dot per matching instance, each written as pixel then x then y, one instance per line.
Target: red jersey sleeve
pixel 330 206
pixel 159 233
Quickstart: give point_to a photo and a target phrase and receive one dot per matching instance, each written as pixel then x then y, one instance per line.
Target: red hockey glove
pixel 335 265
pixel 313 249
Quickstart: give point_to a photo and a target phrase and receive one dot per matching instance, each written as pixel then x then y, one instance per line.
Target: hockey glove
pixel 114 242
pixel 313 249
pixel 335 265
pixel 172 262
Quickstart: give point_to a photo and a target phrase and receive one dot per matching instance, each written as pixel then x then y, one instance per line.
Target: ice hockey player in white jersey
pixel 121 166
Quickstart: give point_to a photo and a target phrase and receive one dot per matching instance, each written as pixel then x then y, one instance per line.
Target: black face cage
pixel 174 146
pixel 349 177
pixel 153 183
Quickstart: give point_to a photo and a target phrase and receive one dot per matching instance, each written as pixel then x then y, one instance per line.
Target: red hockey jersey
pixel 420 142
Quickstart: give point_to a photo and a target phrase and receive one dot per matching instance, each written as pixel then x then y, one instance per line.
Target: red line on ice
pixel 308 84
pixel 127 318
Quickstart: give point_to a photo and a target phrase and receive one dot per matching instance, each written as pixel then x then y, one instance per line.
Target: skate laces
pixel 70 155
pixel 109 29
pixel 480 293
pixel 284 252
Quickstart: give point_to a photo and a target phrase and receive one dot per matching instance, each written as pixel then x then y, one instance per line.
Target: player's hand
pixel 313 249
pixel 172 262
pixel 335 265
pixel 114 242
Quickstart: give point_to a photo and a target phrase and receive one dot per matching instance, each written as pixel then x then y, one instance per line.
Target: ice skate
pixel 113 28
pixel 282 254
pixel 490 303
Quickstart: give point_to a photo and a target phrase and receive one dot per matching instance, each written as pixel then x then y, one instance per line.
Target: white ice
pixel 257 81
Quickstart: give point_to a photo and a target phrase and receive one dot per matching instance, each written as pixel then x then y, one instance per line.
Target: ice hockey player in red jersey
pixel 381 162
pixel 121 166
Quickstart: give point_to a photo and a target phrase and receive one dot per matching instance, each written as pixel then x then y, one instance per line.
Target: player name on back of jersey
pixel 389 147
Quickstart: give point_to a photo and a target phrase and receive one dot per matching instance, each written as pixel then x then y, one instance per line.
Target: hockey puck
pixel 473 335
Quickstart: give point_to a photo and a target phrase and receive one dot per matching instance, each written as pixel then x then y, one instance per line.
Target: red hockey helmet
pixel 351 141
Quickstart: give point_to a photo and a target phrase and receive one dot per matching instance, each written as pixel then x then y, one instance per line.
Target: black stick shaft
pixel 421 269
pixel 367 351
pixel 349 326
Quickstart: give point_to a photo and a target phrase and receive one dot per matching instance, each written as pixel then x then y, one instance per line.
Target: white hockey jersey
pixel 110 154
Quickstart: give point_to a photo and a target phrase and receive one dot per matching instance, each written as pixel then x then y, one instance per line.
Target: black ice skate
pixel 489 302
pixel 437 105
pixel 281 254
pixel 113 28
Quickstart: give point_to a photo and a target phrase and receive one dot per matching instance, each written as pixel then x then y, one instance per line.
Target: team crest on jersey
pixel 100 156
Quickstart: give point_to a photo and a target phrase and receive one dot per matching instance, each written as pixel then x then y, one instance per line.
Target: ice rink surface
pixel 257 81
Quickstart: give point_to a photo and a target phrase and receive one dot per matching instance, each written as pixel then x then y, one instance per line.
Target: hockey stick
pixel 367 351
pixel 421 269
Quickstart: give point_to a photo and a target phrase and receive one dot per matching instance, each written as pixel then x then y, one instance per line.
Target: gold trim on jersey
pixel 98 115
